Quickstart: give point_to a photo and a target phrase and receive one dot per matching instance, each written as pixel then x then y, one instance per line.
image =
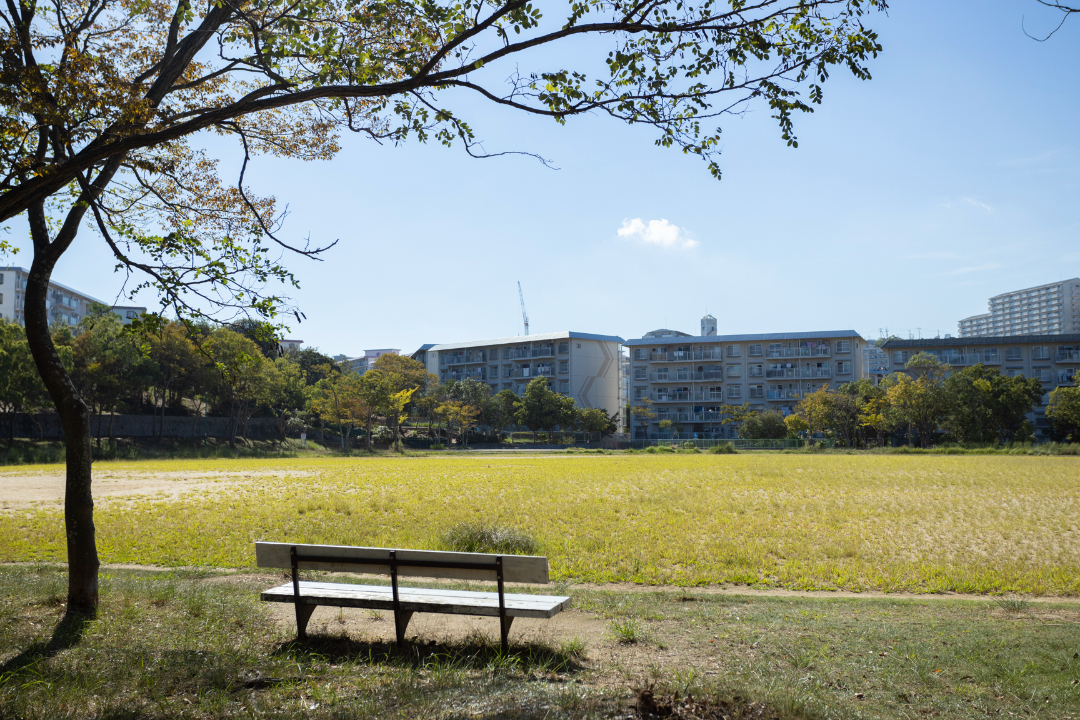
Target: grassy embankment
pixel 888 523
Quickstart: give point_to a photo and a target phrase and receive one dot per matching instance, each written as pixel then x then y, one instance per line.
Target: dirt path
pixel 47 489
pixel 234 575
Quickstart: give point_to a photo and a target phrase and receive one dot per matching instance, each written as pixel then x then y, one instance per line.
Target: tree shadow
pixel 473 652
pixel 67 634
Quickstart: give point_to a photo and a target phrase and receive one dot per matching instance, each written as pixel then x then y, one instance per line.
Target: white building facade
pixel 1052 309
pixel 64 304
pixel 581 365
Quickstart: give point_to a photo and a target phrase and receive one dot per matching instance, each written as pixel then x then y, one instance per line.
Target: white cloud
pixel 657 232
pixel 976 203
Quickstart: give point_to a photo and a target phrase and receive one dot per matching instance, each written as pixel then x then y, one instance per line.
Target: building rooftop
pixel 813 335
pixel 981 340
pixel 1036 287
pixel 519 339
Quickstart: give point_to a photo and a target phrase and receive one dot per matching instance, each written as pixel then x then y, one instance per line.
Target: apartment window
pixel 494 388
pixel 843 367
pixel 639 392
pixel 1013 372
pixel 1 278
pixel 1 298
pixel 639 373
pixel 755 350
pixel 734 392
pixel 775 350
pixel 564 348
pixel 843 346
pixel 733 351
pixel 1045 375
pixel 757 370
pixel 662 374
pixel 734 371
pixel 493 371
pixel 564 386
pixel 757 391
pixel 1014 354
pixel 900 356
pixel 640 353
pixel 564 366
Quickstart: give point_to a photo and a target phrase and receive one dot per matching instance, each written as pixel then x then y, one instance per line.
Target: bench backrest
pixel 516 568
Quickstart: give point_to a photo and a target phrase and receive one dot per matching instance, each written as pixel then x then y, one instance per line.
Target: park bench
pixel 405 601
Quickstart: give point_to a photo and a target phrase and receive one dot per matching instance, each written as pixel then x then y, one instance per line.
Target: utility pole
pixel 524 315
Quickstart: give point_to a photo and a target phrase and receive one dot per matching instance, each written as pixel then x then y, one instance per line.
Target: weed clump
pixel 480 537
pixel 723 449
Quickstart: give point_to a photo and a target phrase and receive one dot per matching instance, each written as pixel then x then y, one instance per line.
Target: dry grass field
pixel 972 524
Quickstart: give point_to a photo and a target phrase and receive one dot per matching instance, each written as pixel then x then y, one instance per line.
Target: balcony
pixel 518 354
pixel 544 371
pixel 823 351
pixel 685 355
pixel 671 396
pixel 464 358
pixel 1067 356
pixel 782 373
pixel 689 417
pixel 460 375
pixel 518 373
pixel 784 395
pixel 684 375
pixel 543 351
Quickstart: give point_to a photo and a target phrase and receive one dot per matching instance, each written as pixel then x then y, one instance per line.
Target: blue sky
pixel 912 198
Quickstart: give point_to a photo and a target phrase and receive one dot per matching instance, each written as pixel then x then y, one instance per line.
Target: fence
pixel 46 426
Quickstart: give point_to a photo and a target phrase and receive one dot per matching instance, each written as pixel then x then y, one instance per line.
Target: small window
pixel 564 366
pixel 735 392
pixel 733 351
pixel 755 350
pixel 1 298
pixel 564 386
pixel 640 353
pixel 843 346
pixel 1014 354
pixel 639 373
pixel 843 367
pixel 564 347
pixel 639 392
pixel 1 278
pixel 734 371
pixel 131 314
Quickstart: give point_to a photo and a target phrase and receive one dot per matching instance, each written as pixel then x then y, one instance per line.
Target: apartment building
pixel 1052 309
pixel 1053 359
pixel 366 361
pixel 875 362
pixel 581 365
pixel 64 304
pixel 127 313
pixel 689 379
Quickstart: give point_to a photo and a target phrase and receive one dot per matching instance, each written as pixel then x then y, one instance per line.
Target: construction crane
pixel 524 315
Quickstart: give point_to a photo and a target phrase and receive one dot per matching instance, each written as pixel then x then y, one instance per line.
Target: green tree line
pixel 172 368
pixel 930 402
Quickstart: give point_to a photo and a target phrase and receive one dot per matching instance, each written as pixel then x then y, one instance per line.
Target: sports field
pixel 889 523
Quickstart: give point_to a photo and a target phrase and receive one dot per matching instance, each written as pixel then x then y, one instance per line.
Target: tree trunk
pixel 74 418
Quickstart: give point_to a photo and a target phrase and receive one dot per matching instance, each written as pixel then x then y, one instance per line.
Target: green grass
pixel 199 645
pixel 867 522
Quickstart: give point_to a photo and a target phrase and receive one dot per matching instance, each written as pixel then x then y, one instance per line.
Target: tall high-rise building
pixel 1052 309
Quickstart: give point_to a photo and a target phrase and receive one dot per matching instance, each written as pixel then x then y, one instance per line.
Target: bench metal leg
pixel 401 622
pixel 505 622
pixel 303 614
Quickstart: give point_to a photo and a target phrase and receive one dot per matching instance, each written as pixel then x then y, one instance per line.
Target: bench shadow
pixel 67 634
pixel 472 652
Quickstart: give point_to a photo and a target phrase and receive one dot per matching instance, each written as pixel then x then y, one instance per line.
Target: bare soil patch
pixel 19 490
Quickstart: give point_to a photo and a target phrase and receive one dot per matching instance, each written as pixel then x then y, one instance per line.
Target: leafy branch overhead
pixel 100 98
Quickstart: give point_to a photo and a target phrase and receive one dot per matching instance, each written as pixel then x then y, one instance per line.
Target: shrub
pixel 382 434
pixel 723 449
pixel 436 446
pixel 480 537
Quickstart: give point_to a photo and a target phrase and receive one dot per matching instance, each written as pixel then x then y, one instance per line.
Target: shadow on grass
pixel 472 653
pixel 68 633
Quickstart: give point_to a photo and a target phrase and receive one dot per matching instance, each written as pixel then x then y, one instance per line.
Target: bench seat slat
pixel 429 600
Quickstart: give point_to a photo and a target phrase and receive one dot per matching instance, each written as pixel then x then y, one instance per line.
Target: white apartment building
pixel 1052 309
pixel 690 379
pixel 581 365
pixel 875 362
pixel 1053 359
pixel 64 304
